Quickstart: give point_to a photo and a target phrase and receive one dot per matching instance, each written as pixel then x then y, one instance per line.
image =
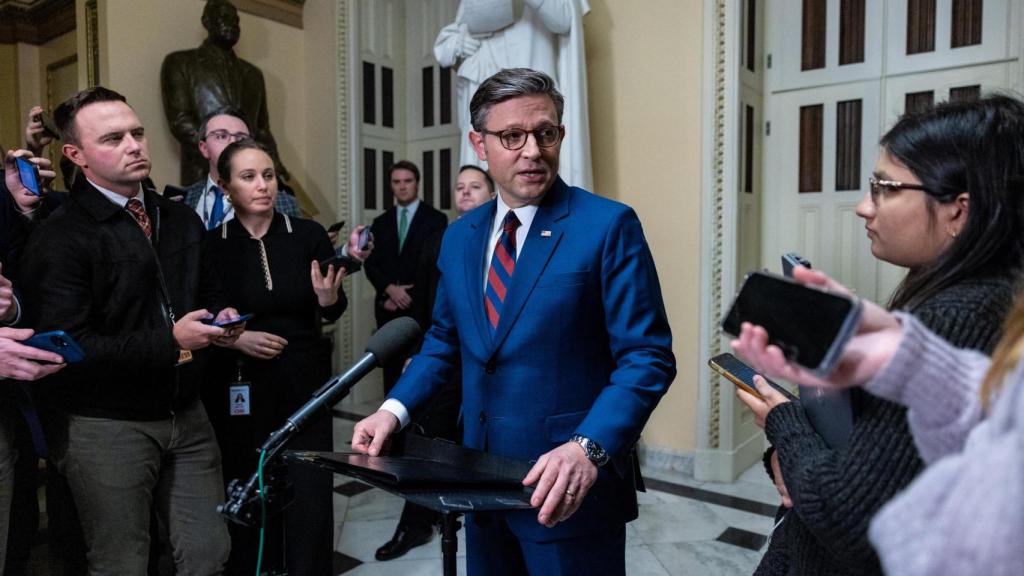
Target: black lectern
pixel 436 474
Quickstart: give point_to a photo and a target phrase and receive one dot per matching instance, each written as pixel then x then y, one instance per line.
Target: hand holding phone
pixel 228 323
pixel 742 376
pixel 28 173
pixel 811 326
pixel 58 342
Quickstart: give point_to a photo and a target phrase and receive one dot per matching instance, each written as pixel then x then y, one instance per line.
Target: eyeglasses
pixel 223 135
pixel 515 138
pixel 879 187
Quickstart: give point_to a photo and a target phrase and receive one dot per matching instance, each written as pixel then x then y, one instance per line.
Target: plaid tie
pixel 138 211
pixel 503 264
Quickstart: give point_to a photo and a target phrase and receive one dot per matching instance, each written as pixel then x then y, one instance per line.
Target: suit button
pixel 483 416
pixel 490 367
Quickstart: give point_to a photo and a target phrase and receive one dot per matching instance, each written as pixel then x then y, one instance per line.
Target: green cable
pixel 263 514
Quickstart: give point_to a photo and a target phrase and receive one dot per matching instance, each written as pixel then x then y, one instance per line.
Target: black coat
pixel 93 274
pixel 386 265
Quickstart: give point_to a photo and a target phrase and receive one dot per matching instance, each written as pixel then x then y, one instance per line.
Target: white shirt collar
pixel 525 215
pixel 116 198
pixel 411 207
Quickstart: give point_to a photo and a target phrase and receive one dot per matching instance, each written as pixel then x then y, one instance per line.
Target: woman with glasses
pixel 945 202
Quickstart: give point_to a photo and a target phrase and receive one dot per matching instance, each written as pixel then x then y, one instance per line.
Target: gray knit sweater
pixel 836 493
pixel 965 513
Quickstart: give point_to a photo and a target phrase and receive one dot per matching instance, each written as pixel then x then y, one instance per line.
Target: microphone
pixel 392 341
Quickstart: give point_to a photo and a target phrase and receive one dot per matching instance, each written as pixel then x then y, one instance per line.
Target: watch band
pixel 595 453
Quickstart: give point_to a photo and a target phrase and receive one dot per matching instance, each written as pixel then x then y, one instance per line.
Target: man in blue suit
pixel 550 298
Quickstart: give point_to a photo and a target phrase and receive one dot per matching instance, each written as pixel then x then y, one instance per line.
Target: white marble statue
pixel 545 35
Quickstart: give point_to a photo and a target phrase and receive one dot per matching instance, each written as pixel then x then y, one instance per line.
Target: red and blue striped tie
pixel 503 264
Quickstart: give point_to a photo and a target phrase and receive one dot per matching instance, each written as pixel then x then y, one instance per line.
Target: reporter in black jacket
pixel 119 268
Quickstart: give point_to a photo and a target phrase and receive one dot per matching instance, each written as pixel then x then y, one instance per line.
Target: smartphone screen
pixel 742 375
pixel 29 175
pixel 809 325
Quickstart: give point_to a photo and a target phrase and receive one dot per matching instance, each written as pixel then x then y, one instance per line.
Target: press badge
pixel 238 401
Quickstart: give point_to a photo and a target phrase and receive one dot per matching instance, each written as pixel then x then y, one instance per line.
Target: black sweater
pixel 89 270
pixel 836 493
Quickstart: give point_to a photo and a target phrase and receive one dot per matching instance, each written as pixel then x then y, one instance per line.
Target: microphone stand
pixel 240 496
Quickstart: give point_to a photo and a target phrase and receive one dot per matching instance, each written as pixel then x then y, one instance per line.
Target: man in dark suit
pixel 400 236
pixel 550 299
pixel 119 268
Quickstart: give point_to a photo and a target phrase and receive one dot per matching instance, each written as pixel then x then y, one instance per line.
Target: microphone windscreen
pixel 394 340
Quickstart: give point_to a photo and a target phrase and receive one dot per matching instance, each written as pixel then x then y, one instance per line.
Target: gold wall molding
pixel 284 11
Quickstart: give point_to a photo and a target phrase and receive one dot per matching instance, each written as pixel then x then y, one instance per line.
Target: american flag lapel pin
pixel 545 233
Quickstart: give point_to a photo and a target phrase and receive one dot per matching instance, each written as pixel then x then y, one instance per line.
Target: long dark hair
pixel 973 147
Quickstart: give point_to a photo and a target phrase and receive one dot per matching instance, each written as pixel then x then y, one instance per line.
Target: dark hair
pixel 487 177
pixel 973 147
pixel 224 162
pixel 221 111
pixel 65 114
pixel 511 83
pixel 404 165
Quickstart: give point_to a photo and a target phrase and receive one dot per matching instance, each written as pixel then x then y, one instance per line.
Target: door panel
pixel 821 225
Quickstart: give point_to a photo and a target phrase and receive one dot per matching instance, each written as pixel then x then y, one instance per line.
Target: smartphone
pixel 742 375
pixel 49 126
pixel 350 265
pixel 811 326
pixel 336 226
pixel 365 237
pixel 29 175
pixel 58 342
pixel 228 323
pixel 791 260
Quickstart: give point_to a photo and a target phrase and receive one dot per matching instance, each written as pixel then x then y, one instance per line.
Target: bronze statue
pixel 210 77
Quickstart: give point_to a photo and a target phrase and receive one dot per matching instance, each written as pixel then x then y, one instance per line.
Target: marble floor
pixel 686 527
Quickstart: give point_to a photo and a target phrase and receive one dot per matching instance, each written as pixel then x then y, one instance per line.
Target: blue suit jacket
pixel 583 345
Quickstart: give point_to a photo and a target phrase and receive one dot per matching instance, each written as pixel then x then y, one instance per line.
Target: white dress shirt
pixel 525 215
pixel 204 207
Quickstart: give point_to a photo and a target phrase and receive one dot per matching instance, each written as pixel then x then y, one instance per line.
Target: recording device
pixel 29 175
pixel 49 126
pixel 336 226
pixel 365 237
pixel 810 325
pixel 229 323
pixel 791 260
pixel 392 341
pixel 58 342
pixel 742 376
pixel 830 412
pixel 351 265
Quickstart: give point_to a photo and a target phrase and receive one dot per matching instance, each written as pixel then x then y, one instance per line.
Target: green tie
pixel 403 227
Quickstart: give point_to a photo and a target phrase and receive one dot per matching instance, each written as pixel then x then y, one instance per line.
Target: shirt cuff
pixel 398 409
pixel 343 251
pixel 17 314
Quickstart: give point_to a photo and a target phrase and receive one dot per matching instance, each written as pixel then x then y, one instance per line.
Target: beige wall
pixel 9 116
pixel 131 64
pixel 644 67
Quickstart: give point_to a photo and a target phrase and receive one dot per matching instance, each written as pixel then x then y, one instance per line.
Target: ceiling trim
pixel 35 22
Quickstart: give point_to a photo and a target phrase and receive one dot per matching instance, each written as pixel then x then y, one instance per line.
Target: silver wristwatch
pixel 592 449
